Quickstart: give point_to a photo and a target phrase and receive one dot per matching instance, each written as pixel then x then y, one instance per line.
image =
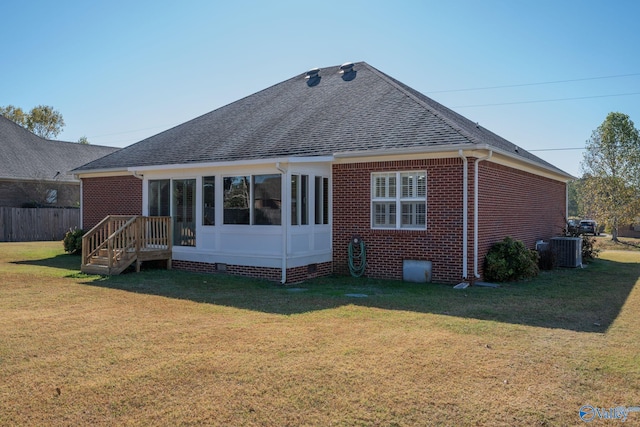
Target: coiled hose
pixel 357 257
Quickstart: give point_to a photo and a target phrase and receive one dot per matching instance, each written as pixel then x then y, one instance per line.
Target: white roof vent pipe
pixel 347 71
pixel 313 77
pixel 347 67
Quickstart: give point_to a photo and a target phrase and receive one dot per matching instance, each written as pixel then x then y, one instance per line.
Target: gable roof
pixel 365 110
pixel 26 156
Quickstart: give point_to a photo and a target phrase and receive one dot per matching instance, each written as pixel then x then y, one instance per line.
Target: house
pixel 277 184
pixel 35 171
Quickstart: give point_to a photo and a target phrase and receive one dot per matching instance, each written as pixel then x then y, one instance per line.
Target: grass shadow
pixel 62 261
pixel 586 300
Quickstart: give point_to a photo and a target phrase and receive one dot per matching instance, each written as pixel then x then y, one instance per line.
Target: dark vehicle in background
pixel 588 226
pixel 573 227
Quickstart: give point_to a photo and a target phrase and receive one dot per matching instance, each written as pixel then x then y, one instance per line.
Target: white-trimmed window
pixel 399 200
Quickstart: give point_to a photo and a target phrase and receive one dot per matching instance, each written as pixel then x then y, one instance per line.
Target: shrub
pixel 510 260
pixel 589 250
pixel 547 260
pixel 73 241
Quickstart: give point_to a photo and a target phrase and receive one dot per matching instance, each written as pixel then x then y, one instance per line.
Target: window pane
pixel 325 200
pixel 380 183
pixel 414 184
pixel 52 197
pixel 384 214
pixel 413 214
pixel 236 200
pixel 294 199
pixel 208 200
pixel 299 199
pixel 318 204
pixel 421 185
pixel 267 199
pixel 384 185
pixel 159 197
pixel 184 206
pixel 304 199
pixel 392 186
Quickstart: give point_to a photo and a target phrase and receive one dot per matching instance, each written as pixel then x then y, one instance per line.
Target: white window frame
pixel 393 196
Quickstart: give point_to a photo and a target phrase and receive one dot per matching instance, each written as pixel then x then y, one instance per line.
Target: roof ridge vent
pixel 347 67
pixel 313 72
pixel 313 77
pixel 347 71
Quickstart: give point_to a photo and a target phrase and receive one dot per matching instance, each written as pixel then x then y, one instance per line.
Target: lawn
pixel 175 348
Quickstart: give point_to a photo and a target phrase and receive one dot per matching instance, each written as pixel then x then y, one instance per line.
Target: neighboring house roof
pixel 26 156
pixel 362 111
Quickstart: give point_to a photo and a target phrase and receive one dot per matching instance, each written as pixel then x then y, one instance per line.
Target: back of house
pixel 280 184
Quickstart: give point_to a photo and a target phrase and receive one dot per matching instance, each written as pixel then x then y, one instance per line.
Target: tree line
pixel 609 190
pixel 42 120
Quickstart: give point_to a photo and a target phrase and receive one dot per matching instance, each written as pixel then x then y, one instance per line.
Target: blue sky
pixel 120 71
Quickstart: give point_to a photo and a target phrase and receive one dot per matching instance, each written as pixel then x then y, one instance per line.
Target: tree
pixel 83 140
pixel 45 122
pixel 14 114
pixel 42 120
pixel 573 193
pixel 611 167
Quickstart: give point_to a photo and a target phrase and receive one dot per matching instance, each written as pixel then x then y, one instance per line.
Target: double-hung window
pixel 399 200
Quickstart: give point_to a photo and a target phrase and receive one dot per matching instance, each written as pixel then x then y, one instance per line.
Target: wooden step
pixel 99 260
pixel 102 270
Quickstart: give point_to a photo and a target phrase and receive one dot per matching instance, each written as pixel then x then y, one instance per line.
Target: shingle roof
pixel 24 155
pixel 364 111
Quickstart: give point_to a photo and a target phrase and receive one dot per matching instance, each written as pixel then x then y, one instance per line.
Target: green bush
pixel 589 250
pixel 510 260
pixel 547 260
pixel 73 241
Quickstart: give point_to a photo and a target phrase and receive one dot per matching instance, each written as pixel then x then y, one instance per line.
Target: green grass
pixel 175 348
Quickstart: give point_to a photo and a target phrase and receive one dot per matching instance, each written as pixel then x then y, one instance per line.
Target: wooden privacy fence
pixel 36 224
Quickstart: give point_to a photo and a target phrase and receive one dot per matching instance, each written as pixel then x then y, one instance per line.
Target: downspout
pixel 81 203
pixel 476 274
pixel 465 214
pixel 566 205
pixel 285 221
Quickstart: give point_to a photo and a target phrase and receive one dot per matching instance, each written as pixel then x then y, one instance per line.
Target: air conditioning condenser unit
pixel 568 251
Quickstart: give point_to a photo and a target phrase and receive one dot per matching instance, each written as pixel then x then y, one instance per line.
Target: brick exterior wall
pixel 114 195
pixel 512 203
pixel 440 243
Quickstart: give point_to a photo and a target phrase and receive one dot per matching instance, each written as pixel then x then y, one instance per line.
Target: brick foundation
pixel 294 275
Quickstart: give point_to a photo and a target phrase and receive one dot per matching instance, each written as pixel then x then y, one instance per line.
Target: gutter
pixel 285 222
pixel 465 213
pixel 411 150
pixel 475 213
pixel 540 168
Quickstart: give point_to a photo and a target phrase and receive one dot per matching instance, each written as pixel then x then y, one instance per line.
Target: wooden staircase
pixel 118 241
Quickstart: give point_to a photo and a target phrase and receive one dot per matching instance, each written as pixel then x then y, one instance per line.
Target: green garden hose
pixel 357 257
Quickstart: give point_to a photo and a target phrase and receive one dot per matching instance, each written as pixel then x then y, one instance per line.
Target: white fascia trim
pixel 469 150
pixel 94 173
pixel 532 165
pixel 406 151
pixel 282 160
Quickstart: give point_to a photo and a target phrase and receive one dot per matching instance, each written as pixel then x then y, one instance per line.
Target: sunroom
pixel 274 215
